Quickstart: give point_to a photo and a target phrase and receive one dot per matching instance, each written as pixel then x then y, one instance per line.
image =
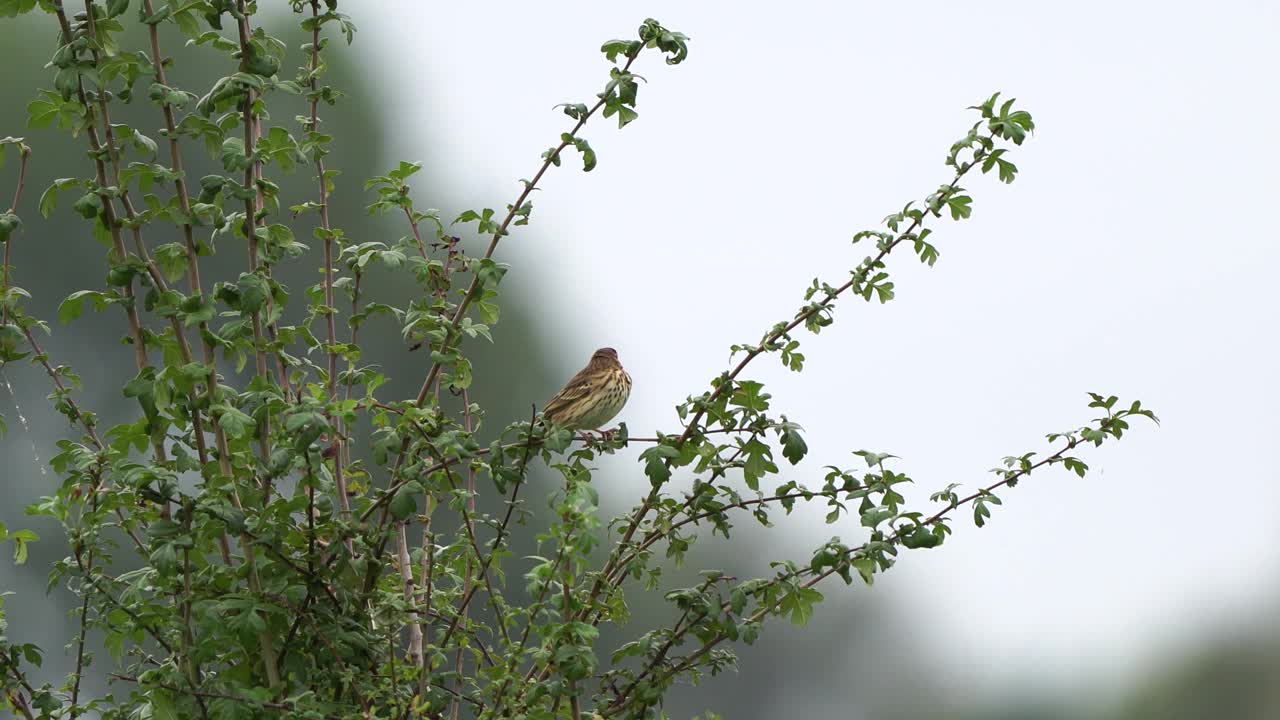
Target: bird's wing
pixel 577 388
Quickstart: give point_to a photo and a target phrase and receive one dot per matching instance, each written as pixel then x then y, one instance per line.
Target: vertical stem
pixel 410 592
pixel 118 253
pixel 470 529
pixel 113 153
pixel 252 202
pixel 428 576
pixel 313 125
pixel 24 152
pixel 265 642
pixel 188 634
pixel 84 607
pixel 193 269
pixel 567 613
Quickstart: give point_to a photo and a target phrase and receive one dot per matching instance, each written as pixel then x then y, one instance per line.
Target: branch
pixel 82 633
pixel 24 153
pixel 514 656
pixel 252 200
pixel 266 704
pixel 677 632
pixel 535 442
pixel 614 565
pixel 133 614
pixel 410 593
pixel 657 535
pixel 108 207
pixel 63 392
pixel 193 265
pixel 551 158
pixel 1010 478
pixel 313 126
pixel 497 544
pixel 16 698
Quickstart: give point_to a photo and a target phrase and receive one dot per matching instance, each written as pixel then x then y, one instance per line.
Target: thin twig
pixel 330 306
pixel 24 154
pixel 43 359
pixel 612 566
pixel 551 158
pixel 193 276
pixel 514 657
pixel 497 542
pixel 428 588
pixel 621 700
pixel 252 202
pixel 209 694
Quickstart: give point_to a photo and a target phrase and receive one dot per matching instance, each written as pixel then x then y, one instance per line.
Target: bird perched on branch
pixel 593 397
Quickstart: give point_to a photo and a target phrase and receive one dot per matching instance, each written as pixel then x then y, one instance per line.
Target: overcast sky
pixel 1135 255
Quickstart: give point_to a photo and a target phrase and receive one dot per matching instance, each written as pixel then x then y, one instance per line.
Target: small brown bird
pixel 592 397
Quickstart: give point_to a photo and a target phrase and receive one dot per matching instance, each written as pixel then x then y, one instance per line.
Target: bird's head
pixel 605 356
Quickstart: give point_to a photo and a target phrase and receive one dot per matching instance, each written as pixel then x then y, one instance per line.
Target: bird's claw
pixel 595 437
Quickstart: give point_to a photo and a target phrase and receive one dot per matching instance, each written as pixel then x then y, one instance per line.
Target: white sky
pixel 1133 256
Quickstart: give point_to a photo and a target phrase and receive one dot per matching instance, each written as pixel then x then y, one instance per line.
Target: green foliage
pixel 303 545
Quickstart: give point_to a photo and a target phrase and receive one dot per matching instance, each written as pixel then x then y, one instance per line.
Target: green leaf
pixel 171 258
pixel 1075 465
pixel 960 206
pixel 11 338
pixel 73 306
pixel 489 312
pixel 49 199
pixel 866 567
pixel 254 292
pixel 89 205
pixel 197 309
pixel 233 422
pixel 41 113
pixel 873 458
pixel 12 8
pixel 162 707
pixel 655 463
pixel 588 155
pixel 20 539
pixel 799 604
pixel 232 155
pixel 980 512
pixel 758 463
pixel 404 503
pixel 921 537
pixel 793 446
pixel 748 395
pixel 9 222
pixel 876 515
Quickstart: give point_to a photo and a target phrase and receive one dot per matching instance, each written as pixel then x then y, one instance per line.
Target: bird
pixel 593 397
